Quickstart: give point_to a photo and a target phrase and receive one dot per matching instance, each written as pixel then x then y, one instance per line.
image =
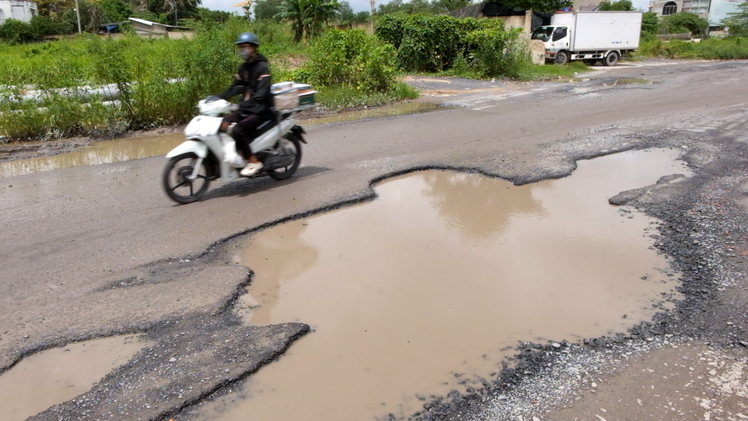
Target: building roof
pixel 149 23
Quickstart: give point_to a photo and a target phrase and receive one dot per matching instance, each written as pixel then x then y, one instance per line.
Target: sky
pixel 357 5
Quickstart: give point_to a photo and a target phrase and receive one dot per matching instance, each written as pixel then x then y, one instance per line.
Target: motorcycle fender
pixel 298 130
pixel 194 146
pixel 202 126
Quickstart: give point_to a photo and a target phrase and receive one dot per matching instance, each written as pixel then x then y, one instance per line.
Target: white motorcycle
pixel 203 157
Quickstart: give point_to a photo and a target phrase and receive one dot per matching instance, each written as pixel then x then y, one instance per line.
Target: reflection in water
pixel 401 304
pixel 283 255
pixel 476 206
pixel 105 152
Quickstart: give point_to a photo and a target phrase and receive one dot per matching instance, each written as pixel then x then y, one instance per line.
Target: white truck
pixel 590 36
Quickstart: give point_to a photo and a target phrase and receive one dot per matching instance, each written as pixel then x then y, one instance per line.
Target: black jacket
pixel 253 83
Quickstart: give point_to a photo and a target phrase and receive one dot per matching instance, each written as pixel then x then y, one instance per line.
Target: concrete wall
pixel 522 22
pixel 17 9
pixel 537 51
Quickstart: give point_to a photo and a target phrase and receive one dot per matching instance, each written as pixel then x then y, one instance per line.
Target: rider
pixel 252 82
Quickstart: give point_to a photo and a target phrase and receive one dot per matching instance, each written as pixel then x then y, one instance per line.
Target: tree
pixel 116 10
pixel 308 17
pixel 208 15
pixel 412 7
pixel 676 22
pixel 541 6
pixel 737 22
pixel 362 17
pixel 619 5
pixel 268 9
pixel 345 14
pixel 173 6
pixel 449 5
pixel 53 8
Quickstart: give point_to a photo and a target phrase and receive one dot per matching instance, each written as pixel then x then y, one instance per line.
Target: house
pixel 712 10
pixel 17 9
pixel 146 28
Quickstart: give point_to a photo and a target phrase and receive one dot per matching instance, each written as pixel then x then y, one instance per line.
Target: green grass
pixel 345 97
pixel 529 71
pixel 161 80
pixel 730 48
pixel 525 71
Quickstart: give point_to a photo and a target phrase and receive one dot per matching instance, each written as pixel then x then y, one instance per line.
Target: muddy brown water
pixel 128 149
pixel 436 280
pixel 60 374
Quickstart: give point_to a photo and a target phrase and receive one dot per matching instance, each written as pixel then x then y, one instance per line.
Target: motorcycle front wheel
pixel 286 172
pixel 176 182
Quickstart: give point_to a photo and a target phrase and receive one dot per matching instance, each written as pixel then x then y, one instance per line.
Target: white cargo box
pixel 290 95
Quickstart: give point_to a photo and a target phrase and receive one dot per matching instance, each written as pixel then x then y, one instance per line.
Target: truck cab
pixel 555 39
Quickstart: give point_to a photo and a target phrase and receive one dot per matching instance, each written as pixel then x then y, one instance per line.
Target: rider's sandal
pixel 251 169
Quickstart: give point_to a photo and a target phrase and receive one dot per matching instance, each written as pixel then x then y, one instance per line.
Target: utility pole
pixel 78 14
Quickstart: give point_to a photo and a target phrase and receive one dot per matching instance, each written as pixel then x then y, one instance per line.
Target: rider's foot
pixel 251 169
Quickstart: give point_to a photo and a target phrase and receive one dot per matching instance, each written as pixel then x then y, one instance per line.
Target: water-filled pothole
pixel 628 81
pixel 436 281
pixel 58 375
pixel 105 152
pixel 394 110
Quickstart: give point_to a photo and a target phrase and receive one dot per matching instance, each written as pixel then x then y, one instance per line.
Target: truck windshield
pixel 543 33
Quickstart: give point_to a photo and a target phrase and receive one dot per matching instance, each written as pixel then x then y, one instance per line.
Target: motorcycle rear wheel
pixel 176 184
pixel 286 172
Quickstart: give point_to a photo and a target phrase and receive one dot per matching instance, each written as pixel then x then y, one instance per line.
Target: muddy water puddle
pixel 128 149
pixel 60 374
pixel 104 152
pixel 376 112
pixel 432 284
pixel 622 81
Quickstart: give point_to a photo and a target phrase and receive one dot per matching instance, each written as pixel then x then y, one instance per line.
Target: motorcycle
pixel 203 156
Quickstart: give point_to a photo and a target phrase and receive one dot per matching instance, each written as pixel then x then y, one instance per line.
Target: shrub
pixel 468 46
pixel 494 51
pixel 352 59
pixel 15 32
pixel 425 43
pixel 684 22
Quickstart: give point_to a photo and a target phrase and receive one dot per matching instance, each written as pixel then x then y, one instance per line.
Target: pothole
pixel 430 286
pixel 621 81
pixel 60 374
pixel 405 108
pixel 104 152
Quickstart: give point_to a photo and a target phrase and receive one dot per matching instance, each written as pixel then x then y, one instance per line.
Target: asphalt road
pixel 95 251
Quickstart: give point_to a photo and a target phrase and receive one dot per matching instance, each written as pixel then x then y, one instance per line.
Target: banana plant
pixel 308 17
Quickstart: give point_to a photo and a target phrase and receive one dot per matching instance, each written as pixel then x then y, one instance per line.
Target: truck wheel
pixel 562 57
pixel 611 59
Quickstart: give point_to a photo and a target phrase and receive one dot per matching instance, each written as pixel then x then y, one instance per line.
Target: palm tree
pixel 308 16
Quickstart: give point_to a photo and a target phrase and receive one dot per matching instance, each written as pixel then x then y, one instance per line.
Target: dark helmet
pixel 247 38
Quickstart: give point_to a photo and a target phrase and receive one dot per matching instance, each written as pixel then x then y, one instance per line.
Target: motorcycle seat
pixel 262 128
